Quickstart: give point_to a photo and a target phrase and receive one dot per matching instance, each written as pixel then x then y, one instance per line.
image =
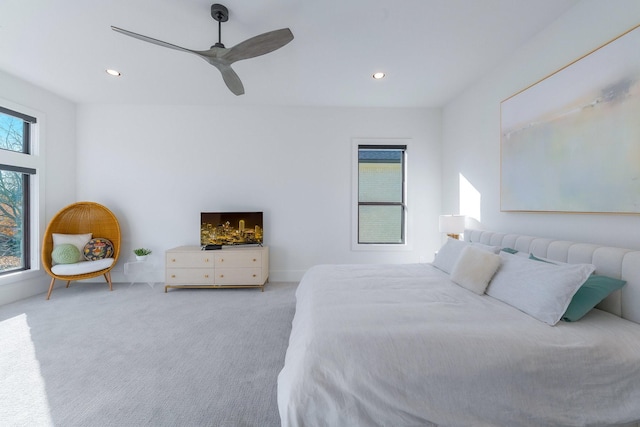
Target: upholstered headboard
pixel 614 262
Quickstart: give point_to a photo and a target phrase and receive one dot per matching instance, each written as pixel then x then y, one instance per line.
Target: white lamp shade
pixel 452 224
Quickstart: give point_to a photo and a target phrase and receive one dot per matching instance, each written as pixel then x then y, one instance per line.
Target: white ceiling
pixel 430 49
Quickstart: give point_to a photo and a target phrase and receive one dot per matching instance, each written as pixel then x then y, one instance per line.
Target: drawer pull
pixel 206 276
pixel 254 275
pixel 173 276
pixel 221 259
pixel 173 260
pixel 206 260
pixel 254 260
pixel 222 275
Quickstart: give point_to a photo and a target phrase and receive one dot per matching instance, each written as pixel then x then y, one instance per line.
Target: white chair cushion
pixel 82 267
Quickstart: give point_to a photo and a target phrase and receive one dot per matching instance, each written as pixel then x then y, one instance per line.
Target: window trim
pixel 18 114
pixel 28 122
pixel 19 169
pixel 378 143
pixel 32 161
pixel 27 176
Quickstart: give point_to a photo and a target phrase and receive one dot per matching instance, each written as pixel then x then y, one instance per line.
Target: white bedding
pixel 402 345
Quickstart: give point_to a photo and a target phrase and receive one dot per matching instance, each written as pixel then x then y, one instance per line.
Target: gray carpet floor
pixel 139 357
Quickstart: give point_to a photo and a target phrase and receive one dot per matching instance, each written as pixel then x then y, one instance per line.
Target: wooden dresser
pixel 235 267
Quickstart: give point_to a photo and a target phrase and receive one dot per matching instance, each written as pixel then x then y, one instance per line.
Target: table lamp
pixel 453 225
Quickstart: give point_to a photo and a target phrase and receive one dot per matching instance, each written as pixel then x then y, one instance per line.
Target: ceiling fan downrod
pixel 221 14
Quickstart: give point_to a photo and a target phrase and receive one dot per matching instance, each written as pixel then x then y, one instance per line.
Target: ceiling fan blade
pixel 211 56
pixel 230 78
pixel 151 40
pixel 258 45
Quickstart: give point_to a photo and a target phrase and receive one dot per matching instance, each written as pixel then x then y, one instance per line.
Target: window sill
pixel 380 247
pixel 19 276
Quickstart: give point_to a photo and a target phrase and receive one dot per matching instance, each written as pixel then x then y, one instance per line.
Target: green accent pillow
pixel 65 253
pixel 509 250
pixel 594 290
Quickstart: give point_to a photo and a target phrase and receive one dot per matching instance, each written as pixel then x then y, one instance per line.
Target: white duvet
pixel 402 345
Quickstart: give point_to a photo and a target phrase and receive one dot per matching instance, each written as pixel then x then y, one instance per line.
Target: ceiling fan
pixel 222 57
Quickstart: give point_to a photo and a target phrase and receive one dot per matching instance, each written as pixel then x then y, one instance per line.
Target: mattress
pixel 403 345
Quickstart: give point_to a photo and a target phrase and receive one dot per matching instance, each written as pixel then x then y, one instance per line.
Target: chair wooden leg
pixel 53 279
pixel 68 283
pixel 107 276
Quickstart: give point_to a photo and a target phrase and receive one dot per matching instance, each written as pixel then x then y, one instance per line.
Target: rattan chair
pixel 81 218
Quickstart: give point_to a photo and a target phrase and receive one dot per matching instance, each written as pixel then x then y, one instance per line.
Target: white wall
pixel 158 167
pixel 471 126
pixel 57 135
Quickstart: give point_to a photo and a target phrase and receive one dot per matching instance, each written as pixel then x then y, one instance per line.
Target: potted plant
pixel 141 253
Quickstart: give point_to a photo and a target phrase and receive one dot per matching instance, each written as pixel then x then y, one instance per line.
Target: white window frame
pixel 389 247
pixel 34 160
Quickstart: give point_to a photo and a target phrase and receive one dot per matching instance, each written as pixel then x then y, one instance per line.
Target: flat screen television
pixel 231 228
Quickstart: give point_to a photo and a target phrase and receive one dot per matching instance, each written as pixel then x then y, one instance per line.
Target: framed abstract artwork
pixel 571 142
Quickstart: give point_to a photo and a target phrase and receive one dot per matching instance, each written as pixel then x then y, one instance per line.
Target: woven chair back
pixel 81 218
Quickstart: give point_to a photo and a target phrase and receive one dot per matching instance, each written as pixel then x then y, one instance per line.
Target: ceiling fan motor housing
pixel 219 12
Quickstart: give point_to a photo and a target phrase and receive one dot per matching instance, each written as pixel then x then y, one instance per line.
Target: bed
pixel 406 345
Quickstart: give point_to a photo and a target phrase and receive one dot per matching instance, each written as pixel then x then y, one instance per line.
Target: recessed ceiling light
pixel 113 72
pixel 378 75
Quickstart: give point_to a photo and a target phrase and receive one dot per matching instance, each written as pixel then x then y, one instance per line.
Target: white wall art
pixel 571 142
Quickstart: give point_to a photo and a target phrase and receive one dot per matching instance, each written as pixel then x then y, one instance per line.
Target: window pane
pixel 380 182
pixel 380 224
pixel 381 201
pixel 12 133
pixel 11 220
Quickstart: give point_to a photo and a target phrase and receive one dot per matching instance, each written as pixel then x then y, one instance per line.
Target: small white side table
pixel 135 270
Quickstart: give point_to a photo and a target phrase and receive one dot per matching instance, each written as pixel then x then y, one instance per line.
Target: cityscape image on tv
pixel 231 228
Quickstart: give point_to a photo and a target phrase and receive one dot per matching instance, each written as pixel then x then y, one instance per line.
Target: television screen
pixel 231 228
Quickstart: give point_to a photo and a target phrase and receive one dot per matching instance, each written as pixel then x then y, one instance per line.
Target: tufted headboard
pixel 614 262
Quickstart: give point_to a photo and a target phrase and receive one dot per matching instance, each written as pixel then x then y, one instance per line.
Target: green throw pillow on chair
pixel 65 254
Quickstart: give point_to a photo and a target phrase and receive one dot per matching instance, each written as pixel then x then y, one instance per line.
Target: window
pixel 15 190
pixel 381 195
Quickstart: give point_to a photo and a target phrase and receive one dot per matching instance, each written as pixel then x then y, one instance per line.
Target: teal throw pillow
pixel 535 258
pixel 594 290
pixel 65 253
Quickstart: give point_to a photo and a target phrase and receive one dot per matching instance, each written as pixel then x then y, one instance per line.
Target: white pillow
pixel 519 254
pixel 475 268
pixel 488 248
pixel 548 260
pixel 78 240
pixel 448 254
pixel 540 289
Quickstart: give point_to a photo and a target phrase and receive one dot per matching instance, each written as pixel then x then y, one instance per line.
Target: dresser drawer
pixel 190 276
pixel 239 276
pixel 191 267
pixel 189 260
pixel 238 259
